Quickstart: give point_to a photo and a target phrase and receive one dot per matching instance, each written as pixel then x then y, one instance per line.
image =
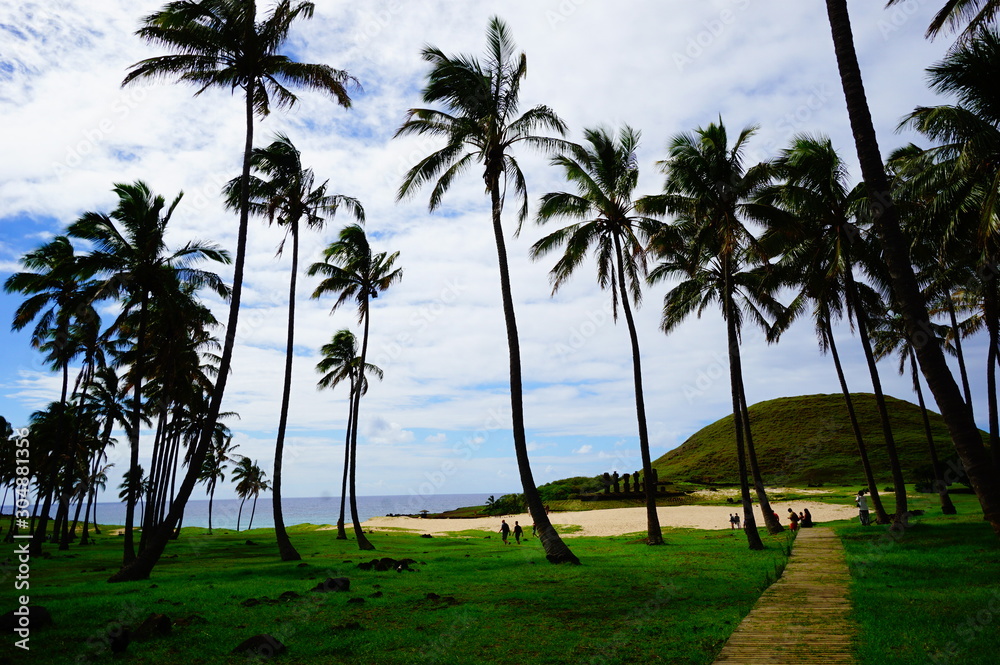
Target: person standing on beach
pixel 518 532
pixel 736 516
pixel 504 531
pixel 862 508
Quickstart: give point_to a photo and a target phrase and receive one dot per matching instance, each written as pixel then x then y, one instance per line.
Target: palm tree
pixel 708 188
pixel 287 194
pixel 605 174
pixel 480 124
pixel 250 482
pixel 341 361
pixel 222 44
pixel 214 469
pixel 961 425
pixel 812 219
pixel 890 337
pixel 350 270
pixel 977 14
pixel 130 254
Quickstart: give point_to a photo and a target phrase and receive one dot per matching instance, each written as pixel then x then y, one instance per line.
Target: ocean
pixel 297 510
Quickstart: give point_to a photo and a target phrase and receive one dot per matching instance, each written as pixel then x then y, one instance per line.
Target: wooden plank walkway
pixel 804 616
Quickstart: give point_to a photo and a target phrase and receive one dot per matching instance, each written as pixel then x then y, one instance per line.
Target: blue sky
pixel 440 419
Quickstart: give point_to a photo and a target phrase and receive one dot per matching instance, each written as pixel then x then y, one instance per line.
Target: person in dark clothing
pixel 518 532
pixel 504 531
pixel 807 518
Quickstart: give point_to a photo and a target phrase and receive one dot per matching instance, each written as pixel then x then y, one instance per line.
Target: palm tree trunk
pixel 128 554
pixel 359 534
pixel 654 535
pixel 947 507
pixel 211 498
pixel 735 380
pixel 140 568
pixel 253 509
pixel 992 316
pixel 556 551
pixel 772 523
pixel 239 514
pixel 38 536
pixel 964 433
pixel 341 531
pixel 881 517
pixel 76 517
pixel 898 485
pixel 285 548
pixel 966 389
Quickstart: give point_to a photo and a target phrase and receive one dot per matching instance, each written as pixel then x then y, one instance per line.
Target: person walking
pixel 793 520
pixel 504 531
pixel 736 516
pixel 863 508
pixel 518 532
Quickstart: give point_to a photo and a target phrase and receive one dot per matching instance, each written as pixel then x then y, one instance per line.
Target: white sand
pixel 616 521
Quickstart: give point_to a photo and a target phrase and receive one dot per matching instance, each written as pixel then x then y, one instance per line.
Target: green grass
pixel 806 439
pixel 931 595
pixel 628 603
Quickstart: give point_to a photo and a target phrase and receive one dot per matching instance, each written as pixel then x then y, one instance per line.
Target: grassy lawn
pixel 932 595
pixel 628 603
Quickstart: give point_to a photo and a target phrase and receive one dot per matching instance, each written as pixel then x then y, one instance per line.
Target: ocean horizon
pixel 296 510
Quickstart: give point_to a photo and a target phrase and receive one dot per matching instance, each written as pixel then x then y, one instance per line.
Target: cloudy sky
pixel 439 422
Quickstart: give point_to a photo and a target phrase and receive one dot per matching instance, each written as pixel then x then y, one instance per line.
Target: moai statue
pixel 607 482
pixel 627 477
pixel 616 479
pixel 656 481
pixel 635 482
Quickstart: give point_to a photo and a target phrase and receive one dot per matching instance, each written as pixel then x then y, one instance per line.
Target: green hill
pixel 808 439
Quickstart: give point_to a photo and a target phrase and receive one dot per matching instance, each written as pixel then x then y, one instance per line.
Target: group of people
pixel 802 519
pixel 505 532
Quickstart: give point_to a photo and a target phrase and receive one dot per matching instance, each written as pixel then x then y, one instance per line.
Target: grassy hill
pixel 808 439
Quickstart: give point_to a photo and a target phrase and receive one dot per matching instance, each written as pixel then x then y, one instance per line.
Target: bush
pixel 560 490
pixel 507 504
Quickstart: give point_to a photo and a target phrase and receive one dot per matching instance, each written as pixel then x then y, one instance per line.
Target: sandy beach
pixel 616 521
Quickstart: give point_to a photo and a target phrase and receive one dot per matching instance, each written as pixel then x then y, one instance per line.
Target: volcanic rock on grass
pixel 387 563
pixel 37 617
pixel 191 620
pixel 333 584
pixel 261 646
pixel 155 625
pixel 118 637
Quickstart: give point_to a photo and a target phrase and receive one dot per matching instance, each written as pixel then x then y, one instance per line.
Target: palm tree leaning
pixel 285 192
pixel 890 337
pixel 709 190
pixel 480 125
pixel 131 258
pixel 351 271
pixel 214 469
pixel 250 482
pixel 222 44
pixel 911 305
pixel 341 362
pixel 605 174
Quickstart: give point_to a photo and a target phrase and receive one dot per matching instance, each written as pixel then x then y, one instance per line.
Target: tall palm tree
pixel 340 362
pixel 890 337
pixel 911 305
pixel 813 220
pixel 131 257
pixel 605 174
pixel 480 124
pixel 250 482
pixel 976 15
pixel 969 135
pixel 708 188
pixel 351 271
pixel 285 192
pixel 222 44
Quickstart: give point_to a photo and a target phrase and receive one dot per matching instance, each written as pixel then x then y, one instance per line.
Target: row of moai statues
pixel 632 482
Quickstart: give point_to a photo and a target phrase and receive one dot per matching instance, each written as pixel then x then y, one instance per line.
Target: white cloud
pixel 584 449
pixel 440 437
pixel 379 430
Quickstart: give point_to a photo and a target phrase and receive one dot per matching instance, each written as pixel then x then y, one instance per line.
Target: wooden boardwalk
pixel 804 616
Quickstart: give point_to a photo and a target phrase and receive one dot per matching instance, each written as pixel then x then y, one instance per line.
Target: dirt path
pixel 804 616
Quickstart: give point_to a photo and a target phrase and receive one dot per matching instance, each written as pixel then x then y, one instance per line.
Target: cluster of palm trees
pixel 916 239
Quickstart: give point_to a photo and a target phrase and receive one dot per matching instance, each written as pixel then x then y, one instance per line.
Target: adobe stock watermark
pixel 897 16
pixel 562 12
pixel 22 578
pixel 582 332
pixel 712 30
pixel 419 321
pixel 93 136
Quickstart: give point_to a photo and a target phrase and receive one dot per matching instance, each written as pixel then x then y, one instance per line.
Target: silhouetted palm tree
pixel 708 188
pixel 605 174
pixel 222 44
pixel 341 362
pixel 480 124
pixel 962 427
pixel 975 15
pixel 351 271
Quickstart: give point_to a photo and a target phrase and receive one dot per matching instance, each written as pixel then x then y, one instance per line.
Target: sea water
pixel 296 510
